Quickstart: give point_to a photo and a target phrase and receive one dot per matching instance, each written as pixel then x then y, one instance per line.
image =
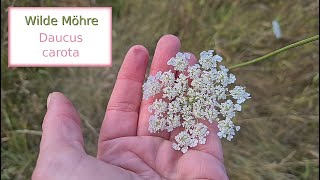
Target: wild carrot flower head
pixel 199 93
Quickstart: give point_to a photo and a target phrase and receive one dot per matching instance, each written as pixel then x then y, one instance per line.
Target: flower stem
pixel 296 44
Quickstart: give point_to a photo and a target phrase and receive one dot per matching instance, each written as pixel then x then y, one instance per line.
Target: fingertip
pixel 137 49
pixel 135 64
pixel 57 96
pixel 58 103
pixel 139 52
pixel 168 46
pixel 169 39
pixel 48 100
pixel 193 59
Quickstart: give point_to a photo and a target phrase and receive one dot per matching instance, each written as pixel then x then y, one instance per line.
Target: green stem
pixel 296 44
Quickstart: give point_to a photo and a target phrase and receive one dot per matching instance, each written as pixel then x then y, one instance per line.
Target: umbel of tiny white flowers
pixel 201 92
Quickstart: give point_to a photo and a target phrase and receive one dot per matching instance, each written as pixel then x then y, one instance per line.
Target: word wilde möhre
pixel 65 20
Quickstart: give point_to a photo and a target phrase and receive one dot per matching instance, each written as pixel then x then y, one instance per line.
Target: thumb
pixel 61 147
pixel 61 125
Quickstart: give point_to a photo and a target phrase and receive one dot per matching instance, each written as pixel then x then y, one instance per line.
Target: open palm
pixel 127 150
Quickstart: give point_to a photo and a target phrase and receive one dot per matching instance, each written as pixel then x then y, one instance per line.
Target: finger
pixel 213 144
pixel 176 131
pixel 61 149
pixel 123 109
pixel 192 61
pixel 167 47
pixel 61 125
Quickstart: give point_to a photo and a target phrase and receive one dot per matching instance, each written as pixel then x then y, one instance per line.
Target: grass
pixel 279 137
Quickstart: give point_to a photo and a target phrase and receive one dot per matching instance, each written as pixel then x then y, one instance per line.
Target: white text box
pixel 60 37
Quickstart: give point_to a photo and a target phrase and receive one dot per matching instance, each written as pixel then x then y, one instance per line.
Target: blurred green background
pixel 279 135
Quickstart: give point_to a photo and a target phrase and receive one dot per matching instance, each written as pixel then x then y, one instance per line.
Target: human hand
pixel 126 150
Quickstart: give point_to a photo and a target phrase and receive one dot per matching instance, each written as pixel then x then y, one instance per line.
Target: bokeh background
pixel 279 137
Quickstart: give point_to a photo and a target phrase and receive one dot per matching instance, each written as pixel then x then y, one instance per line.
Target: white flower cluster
pixel 196 93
